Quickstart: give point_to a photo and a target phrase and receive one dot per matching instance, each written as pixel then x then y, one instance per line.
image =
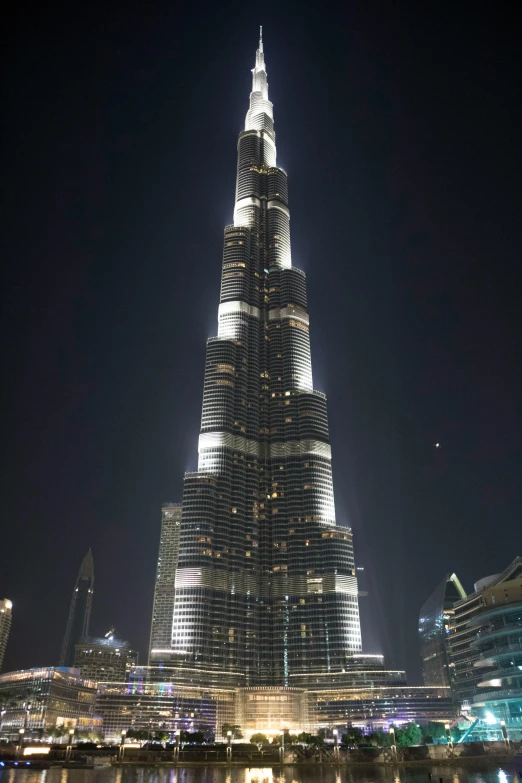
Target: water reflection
pixel 490 773
pixel 261 776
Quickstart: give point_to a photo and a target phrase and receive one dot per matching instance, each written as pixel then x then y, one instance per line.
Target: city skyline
pixel 410 257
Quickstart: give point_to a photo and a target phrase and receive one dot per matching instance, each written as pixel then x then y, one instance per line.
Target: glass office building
pixel 434 631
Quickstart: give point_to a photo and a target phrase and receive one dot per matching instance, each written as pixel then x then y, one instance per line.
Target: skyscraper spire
pixel 265 586
pixel 87 566
pixel 79 610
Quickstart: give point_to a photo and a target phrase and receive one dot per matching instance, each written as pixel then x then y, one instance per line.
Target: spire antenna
pixel 261 38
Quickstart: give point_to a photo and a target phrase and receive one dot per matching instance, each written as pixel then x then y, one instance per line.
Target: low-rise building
pixel 497 702
pixel 374 708
pixel 37 700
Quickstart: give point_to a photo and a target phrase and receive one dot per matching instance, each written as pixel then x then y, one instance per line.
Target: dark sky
pixel 398 125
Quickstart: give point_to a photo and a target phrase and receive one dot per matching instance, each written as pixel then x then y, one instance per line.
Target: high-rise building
pixel 434 631
pixel 265 587
pixel 164 589
pixel 79 610
pixel 6 611
pixel 104 659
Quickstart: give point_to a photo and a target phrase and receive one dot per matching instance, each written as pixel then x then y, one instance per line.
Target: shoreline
pixel 447 762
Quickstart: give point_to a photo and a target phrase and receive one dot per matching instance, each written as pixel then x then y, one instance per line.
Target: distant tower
pixel 6 608
pixel 165 588
pixel 434 631
pixel 106 659
pixel 79 610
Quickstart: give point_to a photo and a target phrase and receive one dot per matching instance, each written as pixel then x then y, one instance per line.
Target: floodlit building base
pixel 272 709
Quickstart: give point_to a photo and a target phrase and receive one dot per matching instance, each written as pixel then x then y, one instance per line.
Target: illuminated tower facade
pixel 164 588
pixel 79 610
pixel 265 589
pixel 6 611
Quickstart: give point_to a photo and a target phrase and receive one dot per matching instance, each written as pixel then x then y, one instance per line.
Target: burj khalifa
pixel 265 588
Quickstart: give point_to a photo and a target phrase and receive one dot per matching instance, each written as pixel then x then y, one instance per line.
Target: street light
pixel 393 746
pixel 229 746
pixel 448 736
pixel 122 743
pixel 69 745
pixel 282 747
pixel 336 743
pixel 21 733
pixel 504 732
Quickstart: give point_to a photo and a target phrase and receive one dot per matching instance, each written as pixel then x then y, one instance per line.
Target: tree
pixel 433 731
pixel 353 738
pixel 234 728
pixel 192 737
pixel 259 739
pixel 311 740
pixel 138 734
pixel 162 736
pixel 58 732
pixel 408 735
pixel 379 739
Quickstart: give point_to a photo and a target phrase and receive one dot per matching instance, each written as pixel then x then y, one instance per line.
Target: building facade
pixel 265 585
pixel 165 584
pixel 6 612
pixel 162 700
pixel 79 610
pixel 156 699
pixel 434 631
pixel 498 647
pixel 464 628
pixel 105 659
pixel 35 700
pixel 374 708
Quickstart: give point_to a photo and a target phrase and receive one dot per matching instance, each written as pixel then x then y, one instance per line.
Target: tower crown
pixel 260 115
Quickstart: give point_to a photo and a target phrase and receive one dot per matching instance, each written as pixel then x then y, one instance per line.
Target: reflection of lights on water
pixel 456 778
pixel 259 776
pixel 502 776
pixel 173 776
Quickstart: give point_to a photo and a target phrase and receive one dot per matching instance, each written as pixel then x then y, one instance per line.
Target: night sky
pixel 398 124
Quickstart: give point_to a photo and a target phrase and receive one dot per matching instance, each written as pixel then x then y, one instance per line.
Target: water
pixel 477 773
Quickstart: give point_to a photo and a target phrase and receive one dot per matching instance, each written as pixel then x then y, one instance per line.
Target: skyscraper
pixel 79 610
pixel 6 610
pixel 104 659
pixel 266 588
pixel 164 589
pixel 434 631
